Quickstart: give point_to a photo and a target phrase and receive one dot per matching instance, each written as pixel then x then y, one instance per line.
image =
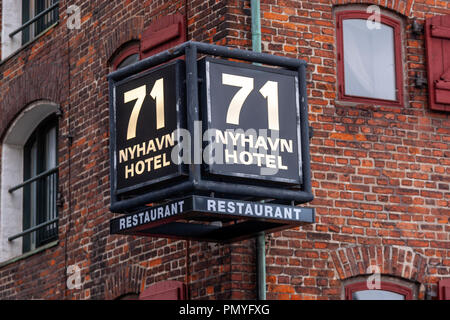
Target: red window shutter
pixel 438 61
pixel 164 290
pixel 163 34
pixel 444 289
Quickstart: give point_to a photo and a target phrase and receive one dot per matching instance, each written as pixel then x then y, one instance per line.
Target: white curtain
pixel 369 60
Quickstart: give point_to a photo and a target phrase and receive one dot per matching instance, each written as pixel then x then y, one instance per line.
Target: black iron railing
pixel 35 228
pixel 35 178
pixel 40 19
pixel 47 221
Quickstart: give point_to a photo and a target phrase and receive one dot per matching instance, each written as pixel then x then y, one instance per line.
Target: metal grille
pixel 41 15
pixel 45 227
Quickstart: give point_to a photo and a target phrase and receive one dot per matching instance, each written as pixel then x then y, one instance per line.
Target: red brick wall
pixel 110 265
pixel 106 256
pixel 380 174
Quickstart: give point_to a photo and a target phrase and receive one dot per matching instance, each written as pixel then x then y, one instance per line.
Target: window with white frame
pixel 40 185
pixel 24 20
pixel 35 9
pixel 29 182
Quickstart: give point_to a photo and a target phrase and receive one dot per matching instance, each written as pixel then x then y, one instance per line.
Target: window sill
pixel 375 102
pixel 43 33
pixel 29 253
pixel 363 102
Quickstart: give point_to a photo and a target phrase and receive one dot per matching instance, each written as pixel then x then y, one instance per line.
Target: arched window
pixel 386 289
pixel 39 195
pixel 129 54
pixel 29 181
pixel 369 58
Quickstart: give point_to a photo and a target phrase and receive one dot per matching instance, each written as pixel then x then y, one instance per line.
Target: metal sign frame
pixel 195 182
pixel 232 220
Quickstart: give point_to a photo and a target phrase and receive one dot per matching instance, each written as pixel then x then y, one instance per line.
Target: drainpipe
pixel 261 265
pixel 256 25
pixel 260 239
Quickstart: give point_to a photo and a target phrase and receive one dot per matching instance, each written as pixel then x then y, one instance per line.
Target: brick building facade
pixel 380 172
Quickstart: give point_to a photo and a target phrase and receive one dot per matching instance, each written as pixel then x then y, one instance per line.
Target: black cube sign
pixel 147 110
pixel 206 140
pixel 252 119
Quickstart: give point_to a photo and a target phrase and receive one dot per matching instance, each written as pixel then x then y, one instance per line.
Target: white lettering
pixel 211 205
pixel 221 206
pixel 231 207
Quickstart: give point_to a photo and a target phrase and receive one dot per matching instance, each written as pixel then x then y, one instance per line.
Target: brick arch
pixel 402 262
pixel 126 31
pixel 44 81
pixel 403 7
pixel 128 279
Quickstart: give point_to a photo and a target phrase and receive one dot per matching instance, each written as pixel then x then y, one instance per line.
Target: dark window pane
pixel 39 197
pixel 129 60
pixel 31 8
pixel 26 9
pixel 48 19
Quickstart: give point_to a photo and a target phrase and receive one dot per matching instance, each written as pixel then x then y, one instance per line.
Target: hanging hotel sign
pixel 195 129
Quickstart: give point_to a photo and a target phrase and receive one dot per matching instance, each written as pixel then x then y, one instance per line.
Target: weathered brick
pixel 380 173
